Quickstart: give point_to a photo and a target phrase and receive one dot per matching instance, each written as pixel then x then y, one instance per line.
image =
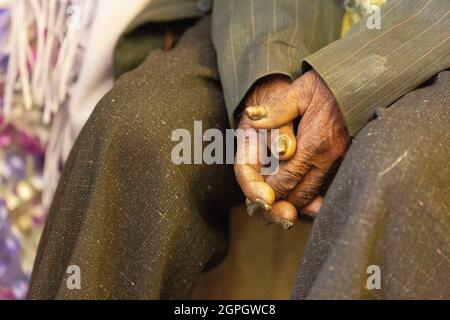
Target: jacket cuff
pixel 355 119
pixel 259 68
pixel 372 68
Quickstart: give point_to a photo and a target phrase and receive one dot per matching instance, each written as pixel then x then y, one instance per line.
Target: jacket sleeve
pixel 371 68
pixel 255 38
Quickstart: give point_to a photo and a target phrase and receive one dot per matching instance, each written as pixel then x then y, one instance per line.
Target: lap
pixel 121 199
pixel 388 206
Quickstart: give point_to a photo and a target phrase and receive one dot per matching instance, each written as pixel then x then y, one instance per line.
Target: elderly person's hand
pixel 322 140
pixel 247 163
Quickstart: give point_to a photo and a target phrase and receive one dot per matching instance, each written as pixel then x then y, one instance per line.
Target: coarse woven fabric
pixel 388 206
pixel 137 225
pixel 371 67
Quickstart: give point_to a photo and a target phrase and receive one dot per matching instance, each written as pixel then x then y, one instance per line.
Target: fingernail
pixel 257 112
pixel 285 224
pixel 252 208
pixel 259 204
pixel 263 205
pixel 282 146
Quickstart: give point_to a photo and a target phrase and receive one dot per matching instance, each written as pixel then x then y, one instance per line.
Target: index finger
pixel 247 169
pixel 275 112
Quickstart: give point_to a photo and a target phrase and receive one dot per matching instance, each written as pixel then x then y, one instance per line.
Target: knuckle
pixel 316 180
pixel 321 146
pixel 283 182
pixel 301 162
pixel 291 177
pixel 339 147
pixel 244 122
pixel 301 199
pixel 304 195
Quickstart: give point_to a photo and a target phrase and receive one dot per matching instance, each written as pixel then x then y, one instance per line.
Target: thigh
pixel 138 225
pixel 389 206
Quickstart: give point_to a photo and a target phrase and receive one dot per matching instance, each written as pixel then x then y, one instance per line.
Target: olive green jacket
pixel 366 70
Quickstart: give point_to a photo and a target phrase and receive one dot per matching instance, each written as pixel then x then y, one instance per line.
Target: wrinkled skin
pixel 321 142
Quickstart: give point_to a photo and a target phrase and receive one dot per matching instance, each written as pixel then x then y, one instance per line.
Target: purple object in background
pixel 16 145
pixel 13 282
pixel 29 110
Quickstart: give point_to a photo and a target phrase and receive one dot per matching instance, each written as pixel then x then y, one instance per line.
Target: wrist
pixel 265 88
pixel 262 90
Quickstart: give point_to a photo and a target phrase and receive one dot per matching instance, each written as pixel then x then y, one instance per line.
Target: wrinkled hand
pixel 248 172
pixel 260 195
pixel 322 140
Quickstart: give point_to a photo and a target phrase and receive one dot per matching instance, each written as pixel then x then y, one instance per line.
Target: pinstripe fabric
pixel 365 70
pixel 255 38
pixel 371 69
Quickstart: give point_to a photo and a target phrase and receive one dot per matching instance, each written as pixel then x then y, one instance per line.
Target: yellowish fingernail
pixel 263 205
pixel 257 112
pixel 285 224
pixel 258 206
pixel 282 146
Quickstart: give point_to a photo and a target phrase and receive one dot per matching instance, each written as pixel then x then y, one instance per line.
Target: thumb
pixel 283 142
pixel 285 106
pixel 276 111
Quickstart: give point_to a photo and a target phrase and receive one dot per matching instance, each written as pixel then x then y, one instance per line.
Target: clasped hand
pixel 307 158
